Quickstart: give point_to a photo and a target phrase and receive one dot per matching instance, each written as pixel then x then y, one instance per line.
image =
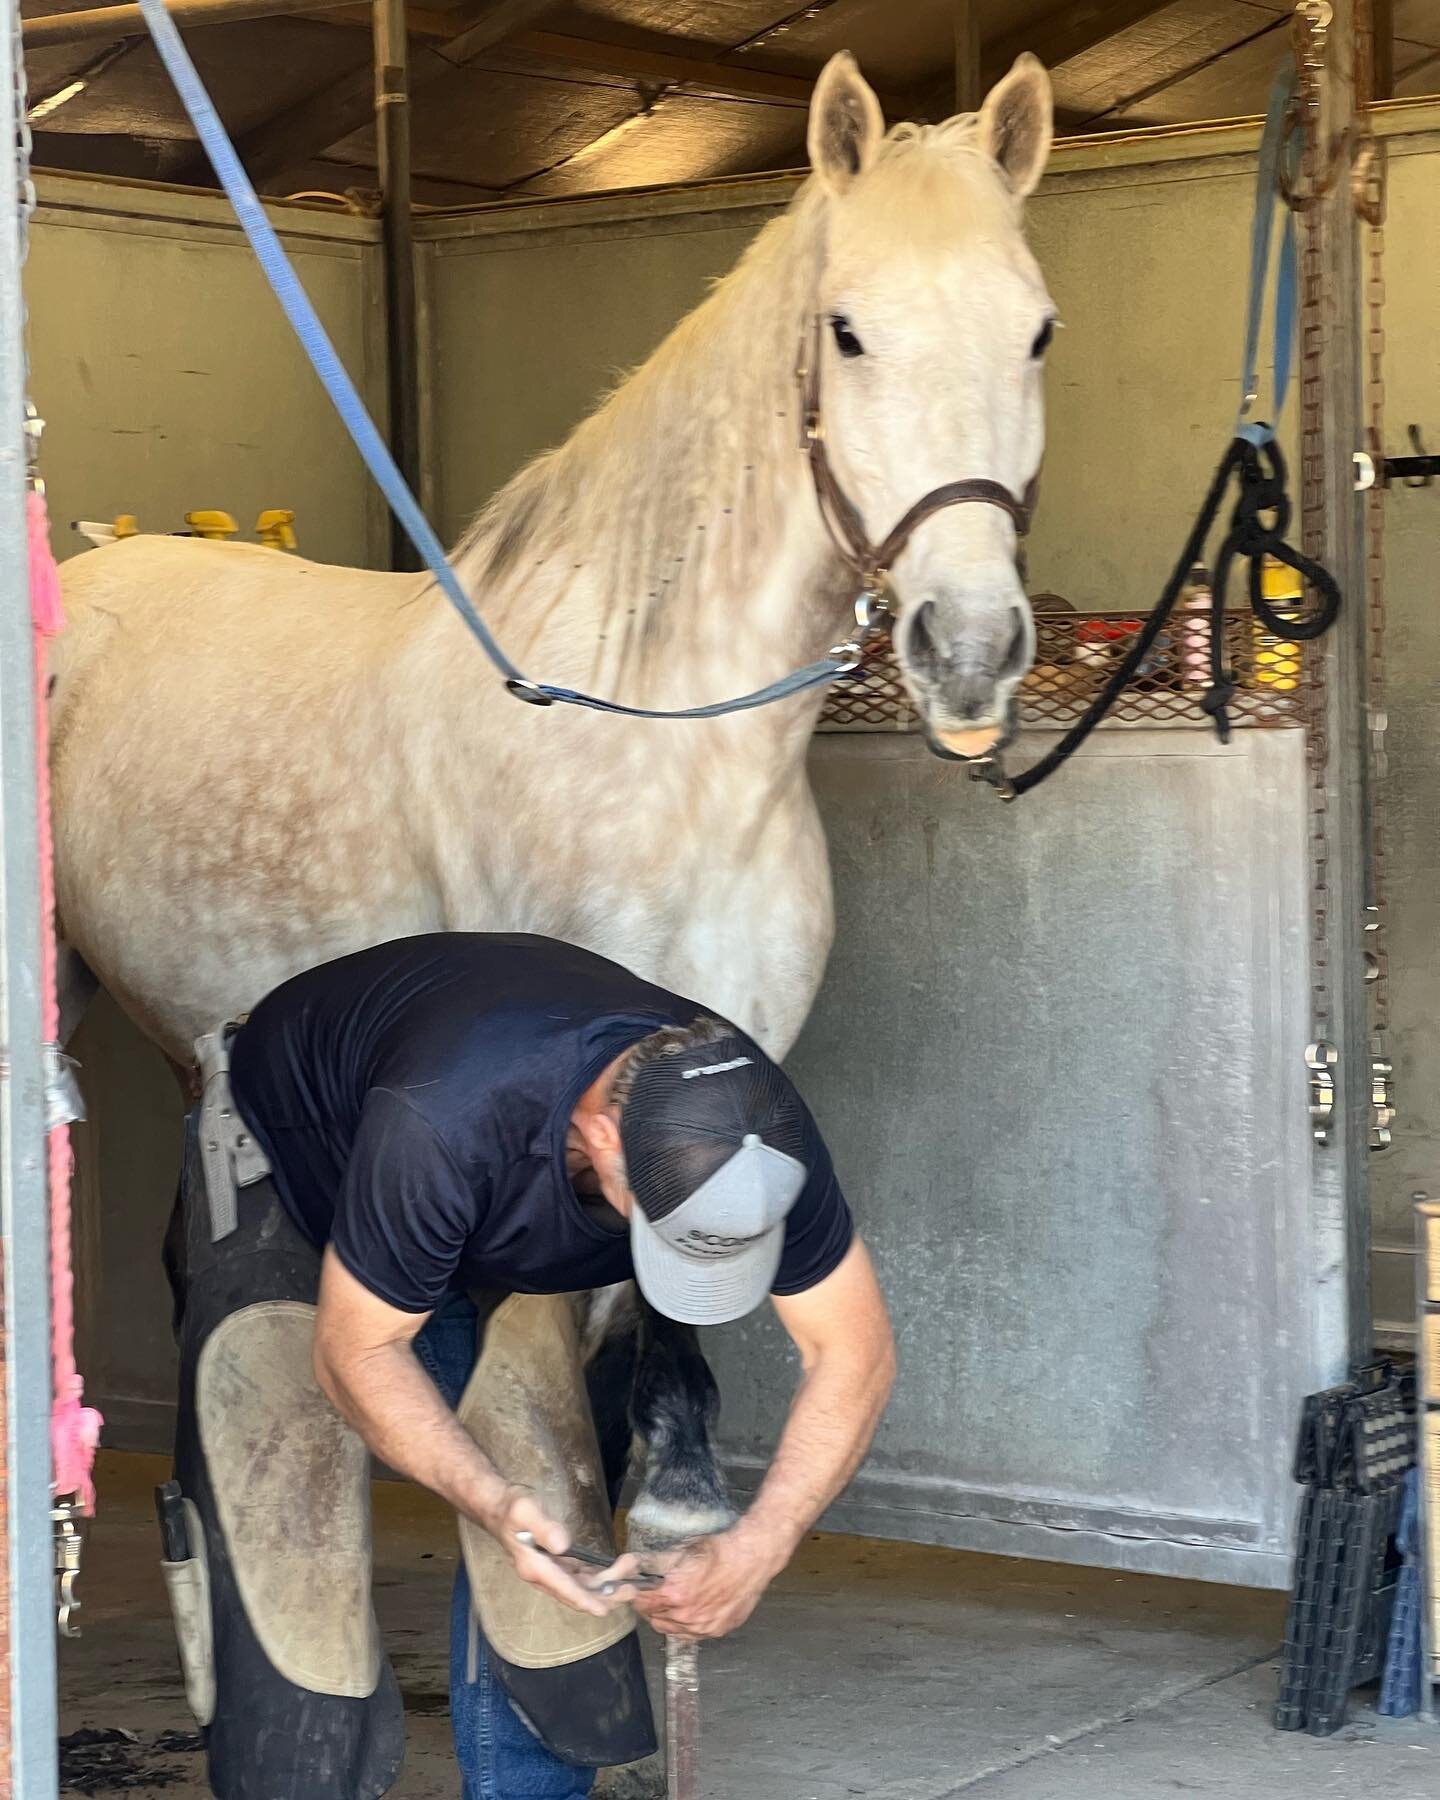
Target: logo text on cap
pixel 712 1243
pixel 739 1062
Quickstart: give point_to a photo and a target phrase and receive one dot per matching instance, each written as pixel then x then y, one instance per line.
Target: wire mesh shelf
pixel 1075 654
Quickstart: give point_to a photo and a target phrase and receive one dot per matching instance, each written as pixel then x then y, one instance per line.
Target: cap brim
pixel 709 1290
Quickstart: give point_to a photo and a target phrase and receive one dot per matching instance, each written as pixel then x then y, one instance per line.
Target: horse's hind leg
pixel 675 1406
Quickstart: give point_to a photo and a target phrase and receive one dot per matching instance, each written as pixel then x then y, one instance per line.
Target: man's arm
pixel 842 1332
pixel 366 1364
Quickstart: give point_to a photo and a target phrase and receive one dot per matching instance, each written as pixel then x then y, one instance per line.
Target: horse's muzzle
pixel 969 742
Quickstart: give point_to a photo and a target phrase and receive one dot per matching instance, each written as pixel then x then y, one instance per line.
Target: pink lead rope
pixel 74 1427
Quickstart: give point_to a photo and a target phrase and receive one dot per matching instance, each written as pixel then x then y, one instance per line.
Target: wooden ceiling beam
pixel 128 21
pixel 664 67
pixel 1068 32
pixel 420 21
pixel 313 125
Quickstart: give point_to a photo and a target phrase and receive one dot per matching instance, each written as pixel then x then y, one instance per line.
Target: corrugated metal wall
pixel 1073 1129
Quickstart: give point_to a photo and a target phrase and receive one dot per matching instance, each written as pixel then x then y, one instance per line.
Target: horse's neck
pixel 670 552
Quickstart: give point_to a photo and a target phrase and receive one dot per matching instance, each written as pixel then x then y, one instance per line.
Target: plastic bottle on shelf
pixel 1277 660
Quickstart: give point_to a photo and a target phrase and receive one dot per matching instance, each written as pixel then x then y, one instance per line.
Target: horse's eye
pixel 846 341
pixel 1042 342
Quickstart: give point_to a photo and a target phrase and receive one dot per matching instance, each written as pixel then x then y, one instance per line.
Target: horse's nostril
pixel 924 646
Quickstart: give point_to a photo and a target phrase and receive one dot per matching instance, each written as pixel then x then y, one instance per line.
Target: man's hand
pixel 517 1510
pixel 711 1586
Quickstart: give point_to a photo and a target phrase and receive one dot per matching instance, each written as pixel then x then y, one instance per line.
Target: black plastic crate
pixel 1355 1444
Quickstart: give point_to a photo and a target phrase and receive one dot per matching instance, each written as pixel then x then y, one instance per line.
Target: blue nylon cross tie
pixel 1272 148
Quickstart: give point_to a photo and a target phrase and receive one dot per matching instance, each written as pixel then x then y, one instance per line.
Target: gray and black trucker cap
pixel 713 1141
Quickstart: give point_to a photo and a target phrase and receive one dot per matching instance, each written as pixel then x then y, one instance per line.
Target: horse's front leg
pixel 674 1406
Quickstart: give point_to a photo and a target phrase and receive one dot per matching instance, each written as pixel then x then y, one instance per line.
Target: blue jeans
pixel 500 1757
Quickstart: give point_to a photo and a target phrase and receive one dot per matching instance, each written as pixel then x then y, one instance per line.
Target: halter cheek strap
pixel 872 562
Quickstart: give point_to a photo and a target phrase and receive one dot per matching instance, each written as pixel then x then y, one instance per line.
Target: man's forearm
pixel 390 1400
pixel 831 1423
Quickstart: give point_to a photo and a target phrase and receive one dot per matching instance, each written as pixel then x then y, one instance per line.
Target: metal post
pixel 1343 1168
pixel 27 1624
pixel 968 86
pixel 392 123
pixel 682 1719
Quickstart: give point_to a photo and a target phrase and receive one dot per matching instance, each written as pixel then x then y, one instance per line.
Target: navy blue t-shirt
pixel 414 1101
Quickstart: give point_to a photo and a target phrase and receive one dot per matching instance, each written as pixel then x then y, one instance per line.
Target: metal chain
pixel 1312 22
pixel 1368 192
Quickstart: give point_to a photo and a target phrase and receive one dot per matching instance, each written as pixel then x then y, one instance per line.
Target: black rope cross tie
pixel 1259 470
pixel 1262 490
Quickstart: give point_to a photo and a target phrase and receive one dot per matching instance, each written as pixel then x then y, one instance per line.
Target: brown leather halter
pixel 872 562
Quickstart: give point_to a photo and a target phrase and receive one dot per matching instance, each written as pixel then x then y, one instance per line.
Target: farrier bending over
pixel 448 1121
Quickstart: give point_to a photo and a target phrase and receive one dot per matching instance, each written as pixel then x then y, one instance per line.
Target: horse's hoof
pixel 635 1781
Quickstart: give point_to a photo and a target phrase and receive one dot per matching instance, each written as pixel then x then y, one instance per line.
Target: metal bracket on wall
pixel 1382 1101
pixel 1320 1059
pixel 68 1545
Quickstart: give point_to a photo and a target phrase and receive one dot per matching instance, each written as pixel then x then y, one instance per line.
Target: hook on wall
pixel 1416 471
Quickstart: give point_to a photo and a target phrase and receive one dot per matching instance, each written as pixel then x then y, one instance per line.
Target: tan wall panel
pixel 528 332
pixel 170 380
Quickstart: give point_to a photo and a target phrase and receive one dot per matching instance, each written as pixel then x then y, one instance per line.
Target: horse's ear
pixel 846 124
pixel 1017 123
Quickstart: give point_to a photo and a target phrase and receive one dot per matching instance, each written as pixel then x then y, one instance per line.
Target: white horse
pixel 262 763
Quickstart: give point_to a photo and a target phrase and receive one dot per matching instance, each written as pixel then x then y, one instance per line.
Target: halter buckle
pixel 872 605
pixel 529 691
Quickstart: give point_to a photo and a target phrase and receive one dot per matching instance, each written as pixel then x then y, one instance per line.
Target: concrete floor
pixel 880 1670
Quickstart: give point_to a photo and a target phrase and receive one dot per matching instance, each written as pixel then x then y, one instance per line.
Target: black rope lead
pixel 1261 478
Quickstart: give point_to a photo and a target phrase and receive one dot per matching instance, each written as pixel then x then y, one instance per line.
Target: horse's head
pixel 933 326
